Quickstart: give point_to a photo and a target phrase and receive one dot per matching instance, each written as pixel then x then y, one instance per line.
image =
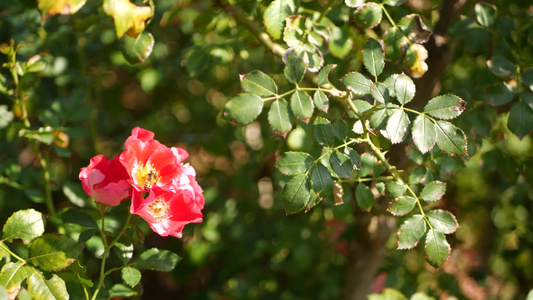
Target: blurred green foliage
pixel 247 248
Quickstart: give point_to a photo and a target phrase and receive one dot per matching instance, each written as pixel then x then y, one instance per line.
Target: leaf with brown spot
pixel 50 8
pixel 129 19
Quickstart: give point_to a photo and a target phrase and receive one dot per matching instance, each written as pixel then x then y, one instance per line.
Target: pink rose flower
pixel 106 181
pixel 148 162
pixel 187 181
pixel 167 211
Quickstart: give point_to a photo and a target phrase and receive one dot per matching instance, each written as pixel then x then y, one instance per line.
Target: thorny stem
pixel 107 248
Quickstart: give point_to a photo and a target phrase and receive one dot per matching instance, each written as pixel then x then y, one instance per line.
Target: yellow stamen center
pixel 146 175
pixel 159 209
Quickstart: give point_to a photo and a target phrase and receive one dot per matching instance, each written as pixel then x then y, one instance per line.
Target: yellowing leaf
pixel 415 60
pixel 49 8
pixel 129 19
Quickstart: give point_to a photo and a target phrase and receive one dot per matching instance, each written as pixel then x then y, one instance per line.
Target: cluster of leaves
pixel 313 179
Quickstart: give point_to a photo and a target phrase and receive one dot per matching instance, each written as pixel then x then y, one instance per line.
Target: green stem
pixel 108 248
pixel 6 249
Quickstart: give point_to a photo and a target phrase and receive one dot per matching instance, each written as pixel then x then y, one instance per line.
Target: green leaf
pixel 396 189
pixel 415 29
pixel 500 94
pixel 433 191
pixel 12 275
pixel 197 61
pixel 157 260
pixel 302 105
pixel 136 50
pixel 402 206
pixel 74 193
pixel 53 288
pixel 387 294
pixel 437 248
pixel 445 107
pixel 411 231
pixel 368 15
pixel 323 131
pixel 404 89
pixel 86 235
pixel 243 109
pixel 364 197
pixel 485 14
pixel 357 83
pixel 341 164
pixel 322 77
pixel 380 92
pixel 340 44
pixel 501 66
pixel 294 163
pixel 321 101
pixel 378 120
pixel 354 3
pixel 527 79
pixel 354 158
pixel 296 194
pixel 394 41
pixel 321 180
pixel 294 70
pixel 424 134
pixel 5 116
pixel 394 2
pixel 24 224
pixel 362 107
pixel 131 276
pixel 442 221
pixel 450 138
pixel 124 250
pixel 77 216
pixel 520 120
pixel 274 17
pixel 397 126
pixel 340 130
pixel 373 57
pixel 259 83
pixel 3 293
pixel 121 291
pixel 52 253
pixel 368 161
pixel 279 117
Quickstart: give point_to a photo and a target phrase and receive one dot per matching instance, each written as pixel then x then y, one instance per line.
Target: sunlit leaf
pixel 450 138
pixel 157 260
pixel 52 289
pixel 258 83
pixel 24 224
pixel 323 75
pixel 445 107
pixel 373 57
pixel 404 89
pixel 520 120
pixel 274 17
pixel 321 101
pixel 49 8
pixel 485 14
pixel 302 105
pixel 354 158
pixel 279 117
pixel 433 191
pixel 397 126
pixel 121 291
pixel 137 49
pixel 388 294
pixel 368 15
pixel 354 3
pixel 380 92
pixel 296 194
pixel 12 275
pixel 411 231
pixel 294 70
pixel 129 19
pixel 53 252
pixel 364 197
pixel 501 66
pixel 442 221
pixel 294 163
pixel 437 248
pixel 131 276
pixel 395 43
pixel 402 206
pixel 396 189
pixel 357 83
pixel 415 60
pixel 424 134
pixel 394 2
pixel 323 131
pixel 340 44
pixel 243 109
pixel 500 94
